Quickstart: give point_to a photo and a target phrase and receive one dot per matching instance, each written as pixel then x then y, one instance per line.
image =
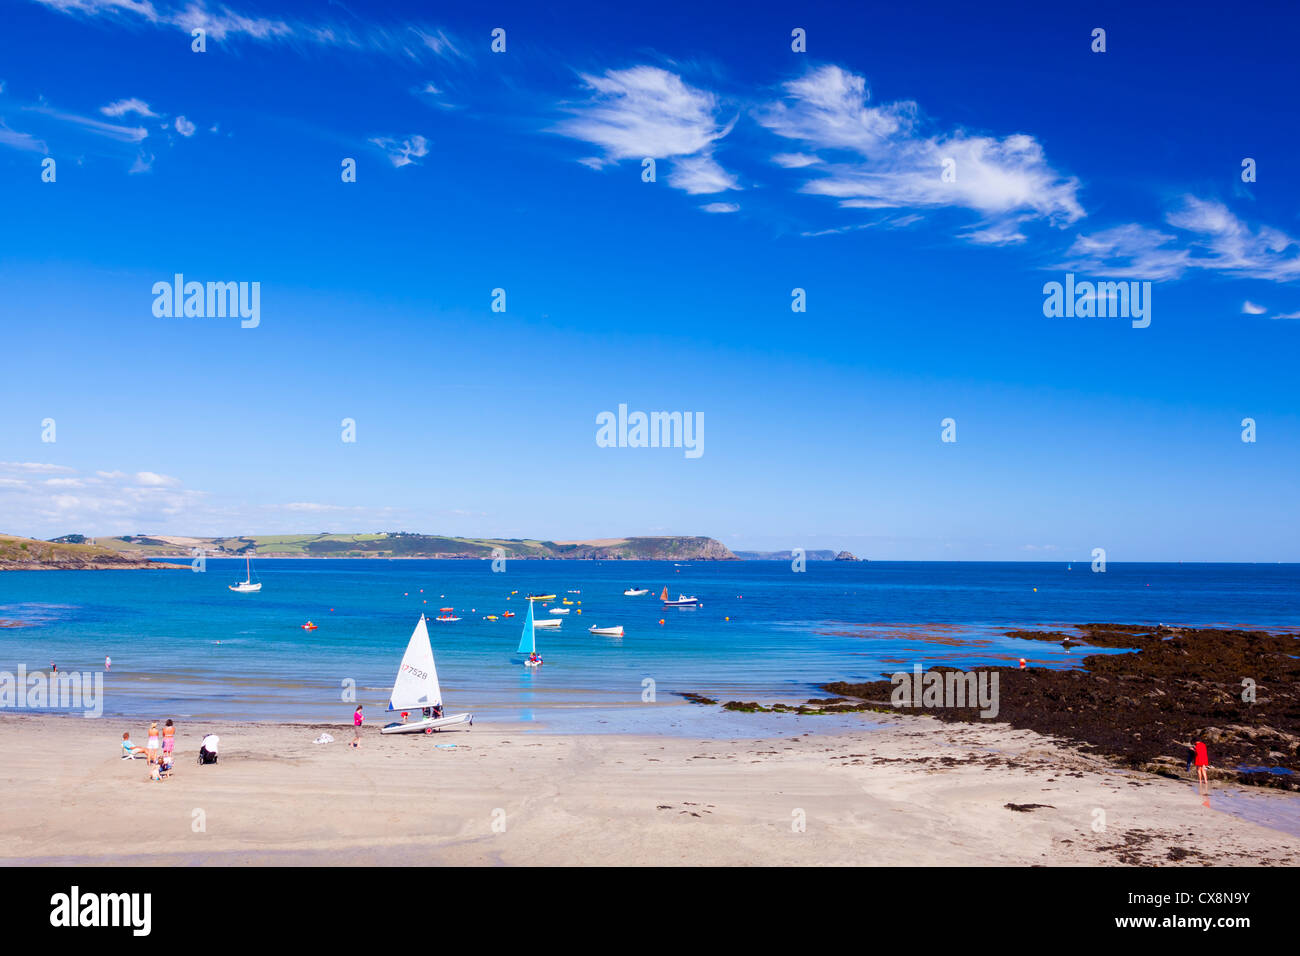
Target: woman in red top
pixel 1202 764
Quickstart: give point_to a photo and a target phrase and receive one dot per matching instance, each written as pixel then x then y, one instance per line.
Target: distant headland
pixel 400 544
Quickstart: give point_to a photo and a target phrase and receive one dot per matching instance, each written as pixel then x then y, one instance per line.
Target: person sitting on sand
pixel 165 763
pixel 130 749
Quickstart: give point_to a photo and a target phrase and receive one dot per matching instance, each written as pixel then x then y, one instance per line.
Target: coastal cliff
pixel 29 554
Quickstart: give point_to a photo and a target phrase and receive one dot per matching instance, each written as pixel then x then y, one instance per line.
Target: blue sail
pixel 526 642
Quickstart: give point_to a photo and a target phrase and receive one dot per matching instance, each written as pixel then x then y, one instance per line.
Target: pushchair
pixel 208 749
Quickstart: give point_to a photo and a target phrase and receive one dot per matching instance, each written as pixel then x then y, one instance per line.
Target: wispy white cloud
pixel 646 111
pixel 122 107
pixel 700 174
pixel 1207 235
pixel 24 141
pixel 795 160
pixel 143 163
pixel 881 156
pixel 154 480
pixel 1250 308
pixel 412 41
pixel 405 151
pixel 721 207
pixel 123 134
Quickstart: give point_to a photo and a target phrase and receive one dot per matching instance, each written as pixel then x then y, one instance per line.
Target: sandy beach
pixel 915 792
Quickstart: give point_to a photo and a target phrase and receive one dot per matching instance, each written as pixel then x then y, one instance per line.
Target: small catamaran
pixel 417 686
pixel 528 640
pixel 247 585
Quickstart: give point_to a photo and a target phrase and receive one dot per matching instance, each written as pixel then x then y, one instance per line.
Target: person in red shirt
pixel 1202 764
pixel 358 718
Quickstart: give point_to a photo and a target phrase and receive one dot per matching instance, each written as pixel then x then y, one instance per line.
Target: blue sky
pixel 775 170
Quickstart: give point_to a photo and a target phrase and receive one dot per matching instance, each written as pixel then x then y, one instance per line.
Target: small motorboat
pixel 541 597
pixel 682 600
pixel 559 610
pixel 636 592
pixel 490 617
pixel 579 591
pixel 547 622
pixel 609 631
pixel 508 614
pixel 309 626
pixel 447 616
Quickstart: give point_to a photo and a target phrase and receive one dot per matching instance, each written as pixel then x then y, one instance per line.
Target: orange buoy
pixel 1022 663
pixel 661 620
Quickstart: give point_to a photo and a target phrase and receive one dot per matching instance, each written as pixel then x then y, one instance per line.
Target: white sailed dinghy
pixel 417 687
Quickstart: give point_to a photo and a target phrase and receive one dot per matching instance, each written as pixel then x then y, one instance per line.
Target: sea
pixel 184 646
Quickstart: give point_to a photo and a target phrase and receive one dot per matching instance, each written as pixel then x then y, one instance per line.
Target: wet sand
pixel 915 791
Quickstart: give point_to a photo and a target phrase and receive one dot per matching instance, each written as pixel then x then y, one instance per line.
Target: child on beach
pixel 358 718
pixel 152 743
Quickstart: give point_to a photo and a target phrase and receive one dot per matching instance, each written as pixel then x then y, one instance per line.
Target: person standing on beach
pixel 151 744
pixel 168 737
pixel 358 718
pixel 108 663
pixel 1202 766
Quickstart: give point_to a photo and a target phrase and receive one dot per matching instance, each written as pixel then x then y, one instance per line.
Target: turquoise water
pixel 184 646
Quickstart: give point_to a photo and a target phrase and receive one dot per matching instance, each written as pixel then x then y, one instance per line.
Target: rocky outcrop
pixel 846 556
pixel 28 554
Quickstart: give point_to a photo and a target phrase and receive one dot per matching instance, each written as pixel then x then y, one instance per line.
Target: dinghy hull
pixel 432 723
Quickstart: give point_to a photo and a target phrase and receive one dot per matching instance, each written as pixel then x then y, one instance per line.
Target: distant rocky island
pixel 402 544
pixel 789 556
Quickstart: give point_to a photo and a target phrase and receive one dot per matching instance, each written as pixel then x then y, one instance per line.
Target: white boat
pixel 682 600
pixel 559 610
pixel 547 622
pixel 610 631
pixel 417 687
pixel 636 592
pixel 528 639
pixel 248 585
